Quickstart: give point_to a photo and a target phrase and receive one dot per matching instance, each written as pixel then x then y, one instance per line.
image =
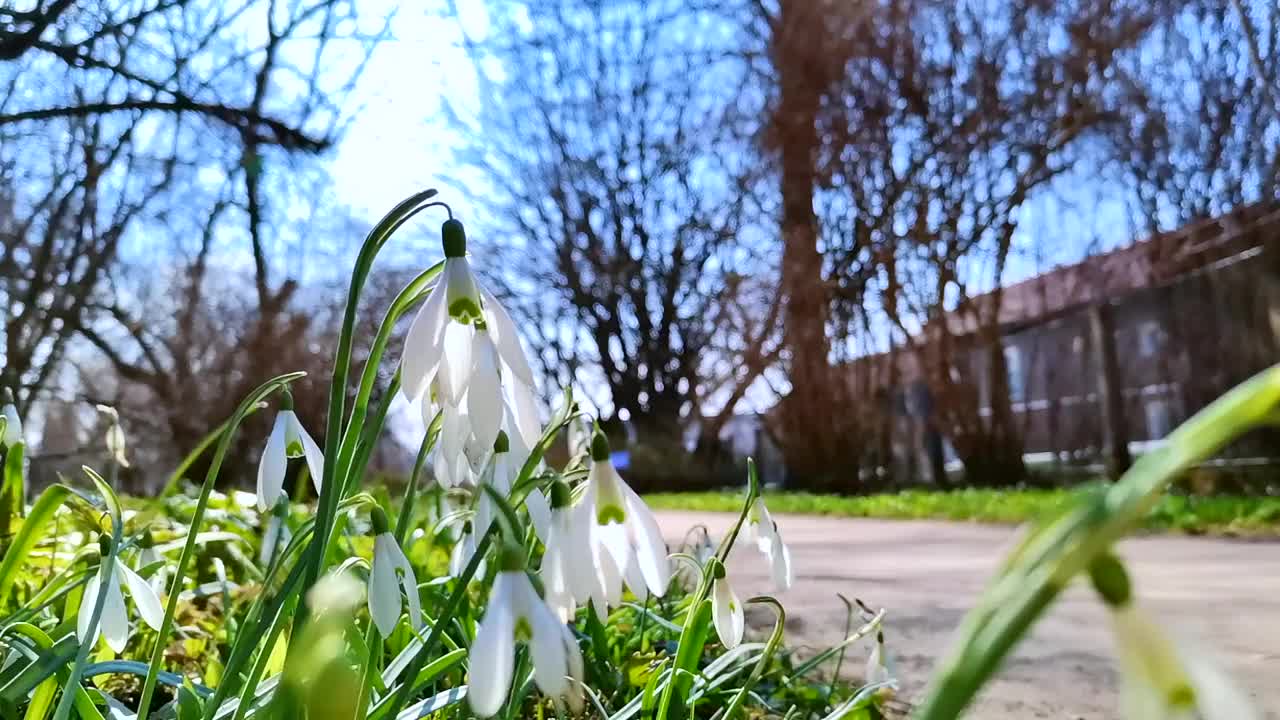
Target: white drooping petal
pixel 454 374
pixel 525 409
pixel 506 337
pixel 461 293
pixel 313 454
pixel 546 646
pixel 409 582
pixel 424 343
pixel 1161 679
pixel 463 551
pixel 87 601
pixel 270 539
pixel 780 564
pixel 12 427
pixel 1217 697
pixel 272 466
pixel 727 613
pixel 573 655
pixel 555 568
pixel 878 670
pixel 114 620
pixel 484 395
pixel 144 596
pixel 650 548
pixel 539 513
pixel 384 588
pixel 492 654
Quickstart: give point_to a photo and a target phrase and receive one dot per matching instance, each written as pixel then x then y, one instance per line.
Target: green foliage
pixel 1215 514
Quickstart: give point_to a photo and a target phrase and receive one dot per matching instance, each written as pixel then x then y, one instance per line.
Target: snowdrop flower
pixel 115 435
pixel 498 475
pixel 13 423
pixel 277 534
pixel 288 439
pixel 726 609
pixel 762 527
pixel 568 571
pixel 515 612
pixel 391 572
pixel 625 525
pixel 148 556
pixel 1159 679
pixel 114 621
pixel 880 667
pixel 465 341
pixel 463 551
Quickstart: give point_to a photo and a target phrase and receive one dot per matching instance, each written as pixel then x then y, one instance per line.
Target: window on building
pixel 1150 338
pixel 1159 419
pixel 1016 373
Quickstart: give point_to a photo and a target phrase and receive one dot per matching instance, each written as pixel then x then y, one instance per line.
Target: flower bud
pixel 454 238
pixel 599 446
pixel 1111 580
pixel 379 520
pixel 511 558
pixel 560 495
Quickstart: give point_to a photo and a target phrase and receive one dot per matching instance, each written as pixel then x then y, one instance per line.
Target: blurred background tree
pixel 768 226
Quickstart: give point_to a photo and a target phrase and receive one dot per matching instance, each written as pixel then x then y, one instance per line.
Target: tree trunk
pixel 810 439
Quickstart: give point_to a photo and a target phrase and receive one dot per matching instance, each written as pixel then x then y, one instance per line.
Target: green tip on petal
pixel 379 520
pixel 454 238
pixel 607 514
pixel 599 445
pixel 511 559
pixel 1111 580
pixel 502 443
pixel 465 310
pixel 560 495
pixel 1182 697
pixel 104 544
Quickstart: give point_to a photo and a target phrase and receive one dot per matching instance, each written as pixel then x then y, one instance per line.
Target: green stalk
pixel 770 648
pixel 71 690
pixel 693 638
pixel 377 237
pixel 188 549
pixel 1047 561
pixel 411 492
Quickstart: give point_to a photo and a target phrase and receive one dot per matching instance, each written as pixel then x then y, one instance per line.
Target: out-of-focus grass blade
pixel 435 703
pixel 30 533
pixel 51 659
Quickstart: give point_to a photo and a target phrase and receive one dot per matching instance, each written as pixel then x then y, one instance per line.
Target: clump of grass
pixel 1214 515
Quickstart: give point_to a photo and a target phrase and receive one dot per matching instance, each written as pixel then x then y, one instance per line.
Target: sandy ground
pixel 1223 593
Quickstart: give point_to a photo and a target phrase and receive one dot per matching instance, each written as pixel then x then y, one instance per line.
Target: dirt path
pixel 927 574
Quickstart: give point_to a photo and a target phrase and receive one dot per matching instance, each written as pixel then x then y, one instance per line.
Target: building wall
pixel 1179 346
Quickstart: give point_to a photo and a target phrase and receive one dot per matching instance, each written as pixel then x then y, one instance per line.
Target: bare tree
pixel 947 118
pixel 130 129
pixel 626 204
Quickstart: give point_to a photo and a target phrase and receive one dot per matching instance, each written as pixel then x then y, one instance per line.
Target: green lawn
pixel 1219 515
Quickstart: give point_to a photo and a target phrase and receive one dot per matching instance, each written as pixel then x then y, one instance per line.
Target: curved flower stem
pixel 692 636
pixel 188 549
pixel 377 237
pixel 770 648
